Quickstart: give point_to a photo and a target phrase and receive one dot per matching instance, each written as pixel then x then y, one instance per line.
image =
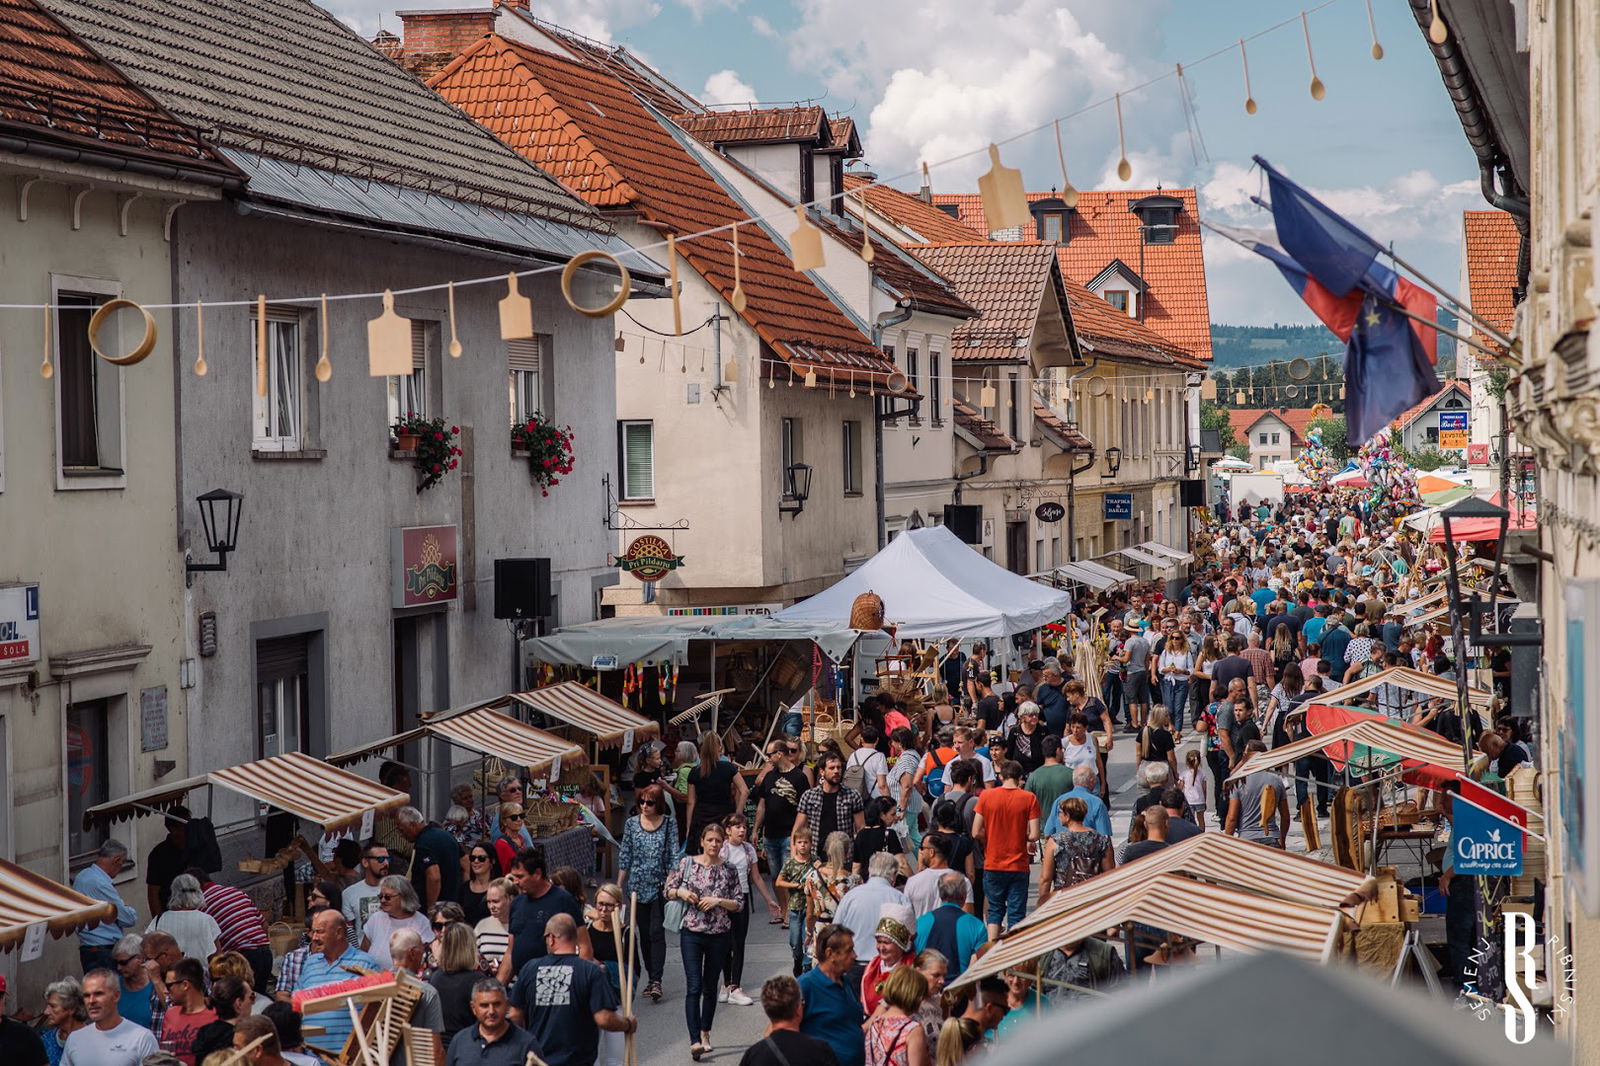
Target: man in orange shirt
pixel 1006 821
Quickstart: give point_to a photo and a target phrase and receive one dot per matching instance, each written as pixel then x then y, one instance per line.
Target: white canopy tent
pixel 933 586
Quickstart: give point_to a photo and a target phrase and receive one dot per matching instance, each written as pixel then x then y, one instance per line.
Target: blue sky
pixel 937 80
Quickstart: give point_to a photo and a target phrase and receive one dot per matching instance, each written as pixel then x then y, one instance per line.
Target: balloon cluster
pixel 1314 460
pixel 1389 475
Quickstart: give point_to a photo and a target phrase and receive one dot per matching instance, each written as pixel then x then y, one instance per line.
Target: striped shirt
pixel 237 916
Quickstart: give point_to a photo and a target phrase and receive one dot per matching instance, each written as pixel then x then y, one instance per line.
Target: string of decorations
pixel 388 335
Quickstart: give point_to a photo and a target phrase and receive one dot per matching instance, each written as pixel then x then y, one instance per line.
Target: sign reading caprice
pixel 649 559
pixel 424 565
pixel 1482 844
pixel 19 624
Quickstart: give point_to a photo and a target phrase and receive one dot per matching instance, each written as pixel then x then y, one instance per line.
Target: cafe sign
pixel 649 558
pixel 19 625
pixel 425 566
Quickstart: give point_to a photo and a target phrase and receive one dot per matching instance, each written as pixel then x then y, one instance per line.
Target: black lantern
pixel 219 516
pixel 1113 461
pixel 1192 461
pixel 796 488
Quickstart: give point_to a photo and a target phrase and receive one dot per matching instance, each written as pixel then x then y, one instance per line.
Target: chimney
pixel 926 194
pixel 520 5
pixel 433 38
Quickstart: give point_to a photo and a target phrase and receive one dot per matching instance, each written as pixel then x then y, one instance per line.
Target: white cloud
pixel 698 8
pixel 764 28
pixel 726 87
pixel 599 19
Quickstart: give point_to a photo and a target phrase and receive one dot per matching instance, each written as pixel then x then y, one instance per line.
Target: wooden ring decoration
pixel 1097 387
pixel 146 344
pixel 572 267
pixel 1299 368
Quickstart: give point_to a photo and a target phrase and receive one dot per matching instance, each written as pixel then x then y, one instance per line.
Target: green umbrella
pixel 1443 496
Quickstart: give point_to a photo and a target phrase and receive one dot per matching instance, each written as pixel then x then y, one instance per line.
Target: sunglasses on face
pixel 480 858
pixel 438 927
pixel 124 962
pixel 386 897
pixel 649 803
pixel 513 817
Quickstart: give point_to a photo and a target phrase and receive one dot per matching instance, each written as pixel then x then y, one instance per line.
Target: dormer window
pixel 1118 298
pixel 953 210
pixel 1050 221
pixel 1158 217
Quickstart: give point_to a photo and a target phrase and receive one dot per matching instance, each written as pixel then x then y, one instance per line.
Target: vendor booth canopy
pixel 1409 680
pixel 482 729
pixel 1091 575
pixel 581 706
pixel 1157 548
pixel 933 585
pixel 306 787
pixel 1394 741
pixel 1465 529
pixel 657 637
pixel 1145 558
pixel 28 899
pixel 1213 914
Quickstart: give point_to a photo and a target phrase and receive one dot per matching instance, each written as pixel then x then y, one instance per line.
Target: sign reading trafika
pixel 19 624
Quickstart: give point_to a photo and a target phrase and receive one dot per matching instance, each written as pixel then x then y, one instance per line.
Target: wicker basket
pixel 283 938
pixel 867 611
pixel 545 818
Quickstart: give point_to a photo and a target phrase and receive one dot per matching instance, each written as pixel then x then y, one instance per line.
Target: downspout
pixel 881 412
pixel 1072 504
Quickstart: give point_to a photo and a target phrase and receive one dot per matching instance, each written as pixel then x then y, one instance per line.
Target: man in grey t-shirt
pixel 1258 810
pixel 1136 652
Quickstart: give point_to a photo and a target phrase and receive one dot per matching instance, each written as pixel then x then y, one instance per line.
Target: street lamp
pixel 219 517
pixel 1113 461
pixel 1478 512
pixel 1192 460
pixel 797 487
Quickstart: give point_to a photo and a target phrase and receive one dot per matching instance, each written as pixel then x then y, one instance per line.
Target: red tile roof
pixel 1296 418
pixel 1059 428
pixel 582 122
pixel 1101 228
pixel 62 91
pixel 1111 331
pixel 989 436
pixel 770 125
pixel 1492 247
pixel 1450 385
pixel 1006 283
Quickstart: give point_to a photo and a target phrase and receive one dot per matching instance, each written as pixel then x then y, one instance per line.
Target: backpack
pixel 855 774
pixel 933 780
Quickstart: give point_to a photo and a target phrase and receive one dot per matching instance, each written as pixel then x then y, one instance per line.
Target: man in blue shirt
pixel 328 962
pixel 832 1011
pixel 950 930
pixel 1084 783
pixel 1052 702
pixel 97 881
pixel 564 1001
pixel 538 900
pixel 494 1041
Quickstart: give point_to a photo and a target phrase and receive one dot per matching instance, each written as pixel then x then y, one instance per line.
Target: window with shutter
pixel 637 459
pixel 88 390
pixel 409 395
pixel 283 669
pixel 277 415
pixel 526 378
pixel 935 388
pixel 852 458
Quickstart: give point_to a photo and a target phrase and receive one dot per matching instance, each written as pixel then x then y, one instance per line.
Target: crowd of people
pixel 892 857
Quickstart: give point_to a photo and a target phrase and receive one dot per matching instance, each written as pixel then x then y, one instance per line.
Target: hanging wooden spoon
pixel 737 299
pixel 455 344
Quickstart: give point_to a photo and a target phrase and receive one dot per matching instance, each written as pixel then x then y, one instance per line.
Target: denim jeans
pixel 1176 694
pixel 654 936
pixel 797 941
pixel 1218 761
pixel 95 957
pixel 1111 696
pixel 1007 893
pixel 702 969
pixel 1317 767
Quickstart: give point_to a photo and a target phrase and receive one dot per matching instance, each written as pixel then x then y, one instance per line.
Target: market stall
pixel 575 707
pixel 1427 686
pixel 28 900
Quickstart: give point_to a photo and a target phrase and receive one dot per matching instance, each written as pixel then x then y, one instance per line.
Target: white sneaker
pixel 737 997
pixel 722 994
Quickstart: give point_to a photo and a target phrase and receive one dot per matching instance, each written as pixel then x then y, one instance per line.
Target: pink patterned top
pixel 886 1041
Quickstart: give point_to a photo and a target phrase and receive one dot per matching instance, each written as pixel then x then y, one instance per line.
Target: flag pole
pixel 1465 310
pixel 1395 307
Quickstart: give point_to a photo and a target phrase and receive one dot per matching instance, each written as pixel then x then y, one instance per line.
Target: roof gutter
pixel 107 161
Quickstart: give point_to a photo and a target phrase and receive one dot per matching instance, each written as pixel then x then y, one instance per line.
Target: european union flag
pixel 1327 245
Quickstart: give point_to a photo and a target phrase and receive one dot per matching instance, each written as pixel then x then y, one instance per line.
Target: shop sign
pixel 19 624
pixel 425 566
pixel 1452 430
pixel 1050 511
pixel 1119 506
pixel 738 610
pixel 1485 844
pixel 649 558
pixel 1477 455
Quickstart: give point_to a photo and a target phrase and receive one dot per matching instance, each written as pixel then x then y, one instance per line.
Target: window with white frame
pixel 88 389
pixel 529 383
pixel 409 395
pixel 1261 438
pixel 935 387
pixel 278 416
pixel 913 369
pixel 852 458
pixel 636 459
pixel 1277 438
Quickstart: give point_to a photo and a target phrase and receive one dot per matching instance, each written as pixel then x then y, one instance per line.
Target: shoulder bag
pixel 672 913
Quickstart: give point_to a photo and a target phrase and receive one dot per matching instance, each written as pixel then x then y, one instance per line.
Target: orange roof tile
pixel 768 125
pixel 1296 418
pixel 1450 385
pixel 843 132
pixel 1493 245
pixel 1005 282
pixel 926 222
pixel 583 123
pixel 1101 228
pixel 1060 428
pixel 63 91
pixel 989 435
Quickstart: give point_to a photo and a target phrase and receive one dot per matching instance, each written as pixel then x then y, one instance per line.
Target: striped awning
pixel 1411 681
pixel 1176 555
pixel 1415 747
pixel 1138 555
pixel 28 899
pixel 1213 914
pixel 305 786
pixel 581 706
pixel 1224 859
pixel 484 729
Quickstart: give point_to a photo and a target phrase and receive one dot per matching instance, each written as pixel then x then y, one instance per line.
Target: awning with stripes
pixel 579 705
pixel 1157 548
pixel 1138 555
pixel 1414 747
pixel 300 784
pixel 28 899
pixel 1224 859
pixel 1213 914
pixel 482 729
pixel 1411 681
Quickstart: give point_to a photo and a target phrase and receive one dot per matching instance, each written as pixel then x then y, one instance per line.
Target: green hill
pixel 1233 346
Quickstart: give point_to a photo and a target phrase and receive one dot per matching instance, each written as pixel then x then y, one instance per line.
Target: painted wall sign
pixel 1453 429
pixel 425 567
pixel 1478 454
pixel 1118 506
pixel 649 558
pixel 19 624
pixel 1050 511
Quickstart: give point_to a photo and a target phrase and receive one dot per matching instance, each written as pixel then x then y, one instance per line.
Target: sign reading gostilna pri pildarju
pixel 649 558
pixel 425 565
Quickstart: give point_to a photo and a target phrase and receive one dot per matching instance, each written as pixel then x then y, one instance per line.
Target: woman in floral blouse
pixel 649 842
pixel 709 889
pixel 827 884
